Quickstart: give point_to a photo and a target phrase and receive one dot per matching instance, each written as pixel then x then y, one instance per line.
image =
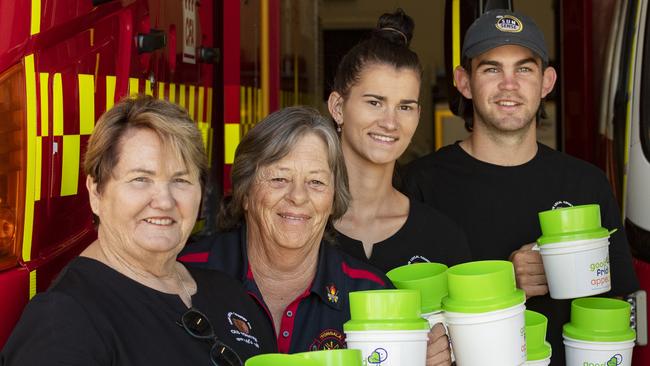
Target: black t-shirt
pixel 426 236
pixel 93 315
pixel 314 320
pixel 497 208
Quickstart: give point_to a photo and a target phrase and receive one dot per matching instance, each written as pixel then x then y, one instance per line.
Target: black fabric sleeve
pixel 624 280
pixel 55 330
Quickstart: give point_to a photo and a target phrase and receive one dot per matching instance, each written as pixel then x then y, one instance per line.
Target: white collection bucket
pixel 544 362
pixel 494 338
pixel 390 347
pixel 584 353
pixel 577 268
pixel 439 317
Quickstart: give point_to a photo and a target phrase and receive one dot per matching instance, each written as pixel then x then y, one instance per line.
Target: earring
pixel 338 127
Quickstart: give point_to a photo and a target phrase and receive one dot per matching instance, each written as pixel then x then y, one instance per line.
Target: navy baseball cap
pixel 502 27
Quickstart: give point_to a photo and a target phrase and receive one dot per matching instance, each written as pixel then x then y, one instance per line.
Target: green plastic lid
pixel 479 287
pixel 428 278
pixel 599 319
pixel 335 357
pixel 385 310
pixel 571 224
pixel 536 345
pixel 279 359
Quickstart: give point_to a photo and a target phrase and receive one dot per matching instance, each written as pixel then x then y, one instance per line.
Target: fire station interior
pixel 287 52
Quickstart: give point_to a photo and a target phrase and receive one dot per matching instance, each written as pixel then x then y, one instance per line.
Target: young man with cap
pixel 495 182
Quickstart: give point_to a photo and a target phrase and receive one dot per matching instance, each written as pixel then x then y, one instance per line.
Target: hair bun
pixel 396 27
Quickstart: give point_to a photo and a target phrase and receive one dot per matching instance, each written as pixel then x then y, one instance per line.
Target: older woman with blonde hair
pixel 126 300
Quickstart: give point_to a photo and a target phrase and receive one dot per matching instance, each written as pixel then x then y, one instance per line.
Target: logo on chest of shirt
pixel 418 259
pixel 561 204
pixel 241 329
pixel 332 293
pixel 328 339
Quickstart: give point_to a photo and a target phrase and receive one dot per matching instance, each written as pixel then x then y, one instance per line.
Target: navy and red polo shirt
pixel 314 320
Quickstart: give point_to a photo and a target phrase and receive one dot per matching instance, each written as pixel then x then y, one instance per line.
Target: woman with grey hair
pixel 289 185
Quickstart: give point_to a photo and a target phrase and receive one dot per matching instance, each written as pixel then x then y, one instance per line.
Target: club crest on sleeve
pixel 509 23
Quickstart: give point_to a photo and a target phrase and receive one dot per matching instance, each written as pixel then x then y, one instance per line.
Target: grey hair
pixel 270 141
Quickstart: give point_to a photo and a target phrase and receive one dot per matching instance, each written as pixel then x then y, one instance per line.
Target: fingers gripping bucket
pixel 386 326
pixel 484 313
pixel 599 333
pixel 575 252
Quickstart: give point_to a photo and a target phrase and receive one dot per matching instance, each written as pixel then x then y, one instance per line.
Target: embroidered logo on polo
pixel 328 339
pixel 418 259
pixel 509 23
pixel 332 293
pixel 561 204
pixel 241 329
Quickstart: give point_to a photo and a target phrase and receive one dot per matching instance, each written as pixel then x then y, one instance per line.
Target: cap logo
pixel 509 23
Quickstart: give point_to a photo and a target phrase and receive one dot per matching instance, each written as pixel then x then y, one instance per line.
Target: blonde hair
pixel 170 122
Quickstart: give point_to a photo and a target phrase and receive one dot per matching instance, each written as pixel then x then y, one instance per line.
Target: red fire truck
pixel 62 64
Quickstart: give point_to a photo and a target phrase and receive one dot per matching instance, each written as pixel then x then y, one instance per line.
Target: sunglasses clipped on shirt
pixel 198 326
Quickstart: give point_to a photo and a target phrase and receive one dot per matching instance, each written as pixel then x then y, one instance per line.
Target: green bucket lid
pixel 279 359
pixel 428 278
pixel 482 286
pixel 571 224
pixel 335 357
pixel 385 310
pixel 599 319
pixel 536 345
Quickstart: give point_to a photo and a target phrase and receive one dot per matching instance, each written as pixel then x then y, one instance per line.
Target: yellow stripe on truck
pixel 38 167
pixel 45 117
pixel 172 92
pixel 70 169
pixel 201 101
pixel 147 88
pixel 110 91
pixel 161 90
pixel 35 24
pixel 231 140
pixel 208 115
pixel 134 84
pixel 181 95
pixel 30 87
pixel 32 284
pixel 57 106
pixel 86 104
pixel 190 108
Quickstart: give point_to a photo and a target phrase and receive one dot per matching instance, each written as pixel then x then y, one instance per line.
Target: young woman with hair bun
pixel 375 104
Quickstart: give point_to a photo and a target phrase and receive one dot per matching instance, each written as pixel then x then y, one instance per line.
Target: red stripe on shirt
pixel 360 273
pixel 200 257
pixel 287 323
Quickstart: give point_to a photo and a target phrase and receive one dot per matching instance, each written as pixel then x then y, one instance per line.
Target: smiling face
pixel 506 86
pixel 380 113
pixel 150 203
pixel 291 200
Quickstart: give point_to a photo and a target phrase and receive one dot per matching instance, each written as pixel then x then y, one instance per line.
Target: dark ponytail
pixel 387 44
